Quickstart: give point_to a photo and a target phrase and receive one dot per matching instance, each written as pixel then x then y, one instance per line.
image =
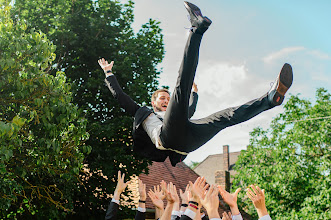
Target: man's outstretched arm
pixel 124 100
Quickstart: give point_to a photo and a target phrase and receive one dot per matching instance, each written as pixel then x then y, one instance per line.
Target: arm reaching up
pixel 140 215
pixel 230 199
pixel 114 204
pixel 258 198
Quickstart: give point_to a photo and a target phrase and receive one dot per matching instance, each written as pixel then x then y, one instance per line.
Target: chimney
pixel 226 159
pixel 222 177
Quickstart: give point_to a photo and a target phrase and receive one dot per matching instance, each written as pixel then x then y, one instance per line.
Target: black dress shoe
pixel 283 82
pixel 199 22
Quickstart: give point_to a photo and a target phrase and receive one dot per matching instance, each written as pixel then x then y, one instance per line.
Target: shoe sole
pixel 284 83
pixel 191 8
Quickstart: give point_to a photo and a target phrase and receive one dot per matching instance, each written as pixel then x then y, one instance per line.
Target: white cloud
pixel 319 55
pixel 219 78
pixel 282 53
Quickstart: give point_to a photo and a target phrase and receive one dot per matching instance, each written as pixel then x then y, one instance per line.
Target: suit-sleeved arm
pixel 192 104
pixel 123 99
pixel 140 215
pixel 112 211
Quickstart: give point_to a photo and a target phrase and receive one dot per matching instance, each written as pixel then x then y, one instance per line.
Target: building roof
pixel 158 171
pixel 179 176
pixel 213 163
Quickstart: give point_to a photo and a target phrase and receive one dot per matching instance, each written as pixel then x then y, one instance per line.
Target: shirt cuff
pixel 116 201
pixel 215 219
pixel 141 209
pixel 266 217
pixel 109 74
pixel 237 217
pixel 190 213
pixel 176 213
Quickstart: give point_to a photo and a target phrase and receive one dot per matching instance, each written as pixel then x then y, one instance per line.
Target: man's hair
pixel 156 93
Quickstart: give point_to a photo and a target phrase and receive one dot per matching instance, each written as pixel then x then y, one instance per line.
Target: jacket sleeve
pixel 140 215
pixel 123 99
pixel 192 104
pixel 111 213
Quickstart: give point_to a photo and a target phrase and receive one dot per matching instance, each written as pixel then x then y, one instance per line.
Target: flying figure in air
pixel 167 130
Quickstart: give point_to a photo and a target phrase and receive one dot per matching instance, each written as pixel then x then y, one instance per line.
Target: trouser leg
pixel 202 130
pixel 176 118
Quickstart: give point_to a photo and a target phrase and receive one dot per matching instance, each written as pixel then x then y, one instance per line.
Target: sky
pixel 242 53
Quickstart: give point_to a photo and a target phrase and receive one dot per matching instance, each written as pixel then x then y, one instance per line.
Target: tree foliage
pixel 84 31
pixel 42 134
pixel 291 160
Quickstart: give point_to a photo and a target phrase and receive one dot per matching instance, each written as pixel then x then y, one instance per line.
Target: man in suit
pixel 167 130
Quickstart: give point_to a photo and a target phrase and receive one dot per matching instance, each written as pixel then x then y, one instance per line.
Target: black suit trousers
pixel 186 135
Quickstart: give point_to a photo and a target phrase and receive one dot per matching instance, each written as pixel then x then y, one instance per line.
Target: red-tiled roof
pixel 179 176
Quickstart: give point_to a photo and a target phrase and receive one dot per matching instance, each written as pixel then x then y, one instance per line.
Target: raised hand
pixel 258 198
pixel 158 192
pixel 184 195
pixel 167 191
pixel 105 65
pixel 142 190
pixel 230 199
pixel 156 200
pixel 211 202
pixel 195 87
pixel 169 195
pixel 121 185
pixel 198 188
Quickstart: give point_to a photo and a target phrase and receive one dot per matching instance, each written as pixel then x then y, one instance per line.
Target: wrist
pixel 193 207
pixel 234 210
pixel 116 195
pixel 176 206
pixel 108 73
pixel 194 199
pixel 160 207
pixel 262 212
pixel 213 214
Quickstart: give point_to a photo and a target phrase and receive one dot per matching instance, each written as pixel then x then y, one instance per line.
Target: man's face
pixel 161 102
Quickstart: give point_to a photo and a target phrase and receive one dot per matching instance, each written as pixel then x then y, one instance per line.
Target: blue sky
pixel 243 52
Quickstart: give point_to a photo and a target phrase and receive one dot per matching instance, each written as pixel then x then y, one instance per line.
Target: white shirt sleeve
pixel 141 209
pixel 237 217
pixel 190 213
pixel 177 213
pixel 266 217
pixel 115 201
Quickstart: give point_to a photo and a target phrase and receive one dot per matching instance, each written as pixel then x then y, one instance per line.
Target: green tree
pixel 291 160
pixel 42 135
pixel 193 164
pixel 84 31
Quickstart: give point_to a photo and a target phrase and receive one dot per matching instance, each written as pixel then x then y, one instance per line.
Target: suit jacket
pixel 113 208
pixel 142 143
pixel 140 215
pixel 111 213
pixel 185 217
